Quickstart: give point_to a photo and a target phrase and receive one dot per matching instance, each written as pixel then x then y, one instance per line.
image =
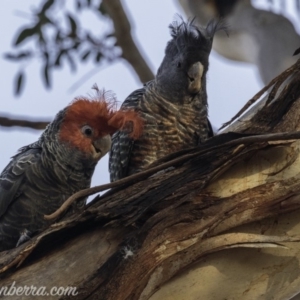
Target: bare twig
pixel 8 122
pixel 142 175
pixel 124 39
pixel 278 79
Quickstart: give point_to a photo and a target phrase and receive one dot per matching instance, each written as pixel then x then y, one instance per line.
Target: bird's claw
pixel 24 237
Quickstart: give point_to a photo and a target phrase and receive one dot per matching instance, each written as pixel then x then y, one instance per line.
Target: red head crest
pixel 101 114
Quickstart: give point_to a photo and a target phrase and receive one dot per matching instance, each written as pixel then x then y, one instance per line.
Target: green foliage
pixel 59 40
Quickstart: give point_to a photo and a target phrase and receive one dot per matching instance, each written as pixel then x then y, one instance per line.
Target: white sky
pixel 230 84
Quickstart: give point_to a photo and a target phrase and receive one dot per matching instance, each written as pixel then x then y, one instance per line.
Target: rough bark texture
pixel 154 238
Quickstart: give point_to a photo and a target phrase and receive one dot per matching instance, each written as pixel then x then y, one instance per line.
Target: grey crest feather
pixel 188 34
pixel 215 25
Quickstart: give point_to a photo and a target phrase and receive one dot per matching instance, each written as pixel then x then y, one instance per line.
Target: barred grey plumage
pixel 44 174
pixel 173 105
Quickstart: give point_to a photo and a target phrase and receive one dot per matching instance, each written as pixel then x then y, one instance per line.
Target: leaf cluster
pixel 58 40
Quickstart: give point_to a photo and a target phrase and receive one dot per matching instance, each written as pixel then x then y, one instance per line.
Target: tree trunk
pixel 155 238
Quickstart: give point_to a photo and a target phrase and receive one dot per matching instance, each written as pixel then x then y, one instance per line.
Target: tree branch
pixel 219 197
pixel 11 122
pixel 124 39
pixel 150 171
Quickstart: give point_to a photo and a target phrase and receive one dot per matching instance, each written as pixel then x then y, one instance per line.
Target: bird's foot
pixel 24 237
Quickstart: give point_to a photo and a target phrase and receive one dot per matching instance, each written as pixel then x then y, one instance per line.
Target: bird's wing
pixel 13 175
pixel 122 144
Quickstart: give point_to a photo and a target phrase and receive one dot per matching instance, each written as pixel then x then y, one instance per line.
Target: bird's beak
pixel 101 146
pixel 195 73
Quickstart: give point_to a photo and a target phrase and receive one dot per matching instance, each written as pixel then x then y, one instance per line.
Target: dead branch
pixel 150 171
pixel 11 122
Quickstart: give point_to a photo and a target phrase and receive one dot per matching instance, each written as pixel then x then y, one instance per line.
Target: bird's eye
pixel 178 65
pixel 87 130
